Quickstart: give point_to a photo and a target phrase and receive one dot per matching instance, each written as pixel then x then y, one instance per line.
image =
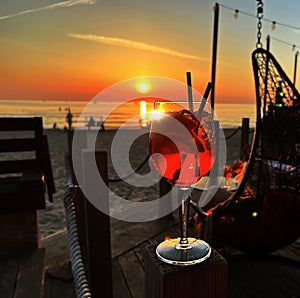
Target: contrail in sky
pixel 133 44
pixel 68 3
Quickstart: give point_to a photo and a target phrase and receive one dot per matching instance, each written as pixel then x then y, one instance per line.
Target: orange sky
pixel 71 50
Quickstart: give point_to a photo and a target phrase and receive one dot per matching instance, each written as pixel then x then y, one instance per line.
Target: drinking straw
pixel 204 100
pixel 190 91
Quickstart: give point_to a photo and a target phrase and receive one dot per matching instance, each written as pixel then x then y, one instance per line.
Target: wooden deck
pixel 271 276
pixel 129 241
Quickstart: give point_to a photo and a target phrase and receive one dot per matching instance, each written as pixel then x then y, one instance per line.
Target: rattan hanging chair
pixel 263 214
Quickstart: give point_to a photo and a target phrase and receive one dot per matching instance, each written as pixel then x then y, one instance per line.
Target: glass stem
pixel 184 216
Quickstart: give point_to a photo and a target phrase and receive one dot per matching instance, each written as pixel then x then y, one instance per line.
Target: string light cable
pixel 273 23
pixel 273 26
pixel 294 46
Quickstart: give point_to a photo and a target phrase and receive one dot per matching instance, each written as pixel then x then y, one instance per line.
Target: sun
pixel 142 86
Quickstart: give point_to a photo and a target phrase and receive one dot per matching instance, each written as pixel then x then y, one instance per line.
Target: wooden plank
pixel 13 194
pixel 31 275
pixel 127 235
pixel 17 166
pixel 20 233
pixel 133 273
pixel 258 278
pixel 263 277
pixel 120 288
pixel 8 274
pixel 140 253
pixel 277 269
pixel 244 279
pixel 28 123
pixel 291 251
pixel 55 287
pixel 19 145
pixel 233 292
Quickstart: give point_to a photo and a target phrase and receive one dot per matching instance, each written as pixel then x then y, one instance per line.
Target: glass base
pixel 172 252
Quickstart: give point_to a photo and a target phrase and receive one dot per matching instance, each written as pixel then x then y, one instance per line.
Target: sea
pixel 114 114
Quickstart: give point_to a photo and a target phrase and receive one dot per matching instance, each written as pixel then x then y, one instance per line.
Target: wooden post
pixel 218 140
pixel 98 232
pixel 81 143
pixel 214 55
pixel 244 134
pixel 295 67
pixel 79 199
pixel 207 279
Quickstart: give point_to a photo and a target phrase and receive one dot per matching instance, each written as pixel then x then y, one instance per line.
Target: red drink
pixel 180 149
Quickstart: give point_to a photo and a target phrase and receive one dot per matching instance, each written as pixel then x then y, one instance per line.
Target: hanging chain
pixel 259 24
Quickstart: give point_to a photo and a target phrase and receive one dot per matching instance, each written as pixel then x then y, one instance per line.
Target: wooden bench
pixel 25 176
pixel 23 276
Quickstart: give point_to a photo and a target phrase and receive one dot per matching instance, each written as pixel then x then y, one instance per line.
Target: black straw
pixel 204 100
pixel 190 93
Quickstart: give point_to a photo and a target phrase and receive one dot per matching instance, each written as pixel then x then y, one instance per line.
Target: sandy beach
pixel 52 219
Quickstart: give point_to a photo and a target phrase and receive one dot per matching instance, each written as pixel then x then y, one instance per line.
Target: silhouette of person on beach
pixel 91 122
pixel 69 118
pixel 101 123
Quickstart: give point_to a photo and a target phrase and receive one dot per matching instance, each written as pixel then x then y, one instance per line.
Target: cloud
pixel 68 3
pixel 115 41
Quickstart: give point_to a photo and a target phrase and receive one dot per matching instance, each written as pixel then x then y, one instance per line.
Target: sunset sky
pixel 71 50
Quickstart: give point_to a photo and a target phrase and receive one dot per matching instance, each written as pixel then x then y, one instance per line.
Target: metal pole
pixel 266 76
pixel 268 43
pixel 295 67
pixel 190 91
pixel 244 137
pixel 214 55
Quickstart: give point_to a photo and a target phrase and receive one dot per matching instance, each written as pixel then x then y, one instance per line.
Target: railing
pixel 77 265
